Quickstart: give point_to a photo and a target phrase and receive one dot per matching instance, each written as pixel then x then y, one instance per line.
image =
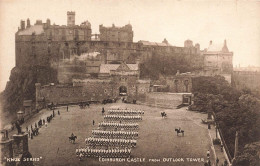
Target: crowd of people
pixel 115 134
pixel 122 117
pixel 127 126
pixel 34 131
pixel 114 152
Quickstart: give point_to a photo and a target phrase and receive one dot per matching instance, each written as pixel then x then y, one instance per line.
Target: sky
pixel 176 20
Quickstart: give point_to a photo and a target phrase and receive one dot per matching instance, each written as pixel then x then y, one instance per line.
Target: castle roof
pixel 36 29
pixel 218 47
pixel 106 68
pixel 147 43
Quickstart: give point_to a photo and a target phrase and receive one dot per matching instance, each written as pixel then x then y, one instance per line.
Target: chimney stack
pixel 48 22
pixel 22 24
pixel 28 23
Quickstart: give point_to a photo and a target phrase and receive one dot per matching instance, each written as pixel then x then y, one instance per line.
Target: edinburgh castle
pixel 70 61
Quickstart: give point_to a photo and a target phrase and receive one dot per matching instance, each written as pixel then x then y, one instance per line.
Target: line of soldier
pixel 90 152
pixel 119 125
pixel 115 134
pixel 111 142
pixel 121 117
pixel 126 112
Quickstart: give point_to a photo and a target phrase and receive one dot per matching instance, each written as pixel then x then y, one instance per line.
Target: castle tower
pixel 70 18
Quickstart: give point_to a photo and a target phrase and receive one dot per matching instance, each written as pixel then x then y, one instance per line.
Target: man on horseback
pixel 179 131
pixel 72 138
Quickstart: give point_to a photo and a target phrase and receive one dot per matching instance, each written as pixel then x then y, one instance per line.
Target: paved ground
pixel 157 138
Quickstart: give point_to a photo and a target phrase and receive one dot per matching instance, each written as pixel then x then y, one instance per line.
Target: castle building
pixel 116 34
pixel 218 60
pixel 46 44
pixel 72 55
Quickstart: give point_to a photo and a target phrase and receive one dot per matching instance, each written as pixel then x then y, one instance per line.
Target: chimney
pixel 22 24
pixel 48 22
pixel 28 23
pixel 225 42
pixel 38 22
pixel 210 43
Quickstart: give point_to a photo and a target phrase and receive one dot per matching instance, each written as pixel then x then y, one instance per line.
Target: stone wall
pixel 6 152
pixel 163 99
pixel 20 144
pixel 179 84
pixel 247 79
pixel 11 149
pixel 91 90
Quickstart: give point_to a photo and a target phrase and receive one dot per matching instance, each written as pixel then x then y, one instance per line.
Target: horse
pixel 163 114
pixel 179 131
pixel 72 139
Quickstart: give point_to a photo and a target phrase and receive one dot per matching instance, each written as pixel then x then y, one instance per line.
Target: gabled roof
pixel 133 66
pixel 123 67
pixel 37 29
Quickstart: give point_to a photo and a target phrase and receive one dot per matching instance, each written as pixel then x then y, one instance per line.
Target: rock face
pixel 21 85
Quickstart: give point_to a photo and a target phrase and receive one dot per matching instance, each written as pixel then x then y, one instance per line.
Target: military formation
pixel 115 136
pixel 110 142
pixel 92 152
pixel 116 125
pixel 123 117
pixel 125 112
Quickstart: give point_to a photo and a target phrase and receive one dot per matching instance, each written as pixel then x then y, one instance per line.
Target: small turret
pixel 197 45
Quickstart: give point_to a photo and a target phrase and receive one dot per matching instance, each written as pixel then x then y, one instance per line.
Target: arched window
pixel 186 83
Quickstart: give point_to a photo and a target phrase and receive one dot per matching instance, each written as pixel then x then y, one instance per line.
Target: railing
pixel 222 139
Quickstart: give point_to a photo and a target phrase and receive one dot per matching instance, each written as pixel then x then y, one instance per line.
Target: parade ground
pixel 157 144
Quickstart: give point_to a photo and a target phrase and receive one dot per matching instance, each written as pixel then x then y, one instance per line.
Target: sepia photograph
pixel 130 82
